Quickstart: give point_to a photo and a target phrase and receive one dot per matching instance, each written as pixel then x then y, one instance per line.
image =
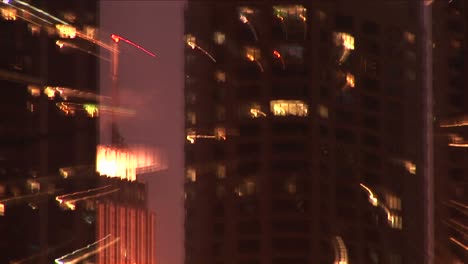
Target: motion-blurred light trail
pixel 40 11
pixel 192 45
pixel 341 254
pixel 116 38
pixel 85 252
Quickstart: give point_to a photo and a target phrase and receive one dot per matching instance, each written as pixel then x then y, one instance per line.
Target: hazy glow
pixel 125 163
pixel 288 107
pixel 341 254
pixel 219 38
pixel 323 111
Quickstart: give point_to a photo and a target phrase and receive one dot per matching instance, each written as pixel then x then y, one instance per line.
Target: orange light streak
pixel 192 45
pixel 61 198
pixel 459 243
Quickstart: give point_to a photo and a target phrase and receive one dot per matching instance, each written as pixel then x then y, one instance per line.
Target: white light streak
pixel 82 254
pixel 41 12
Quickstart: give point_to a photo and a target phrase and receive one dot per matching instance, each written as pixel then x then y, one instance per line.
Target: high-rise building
pixel 39 76
pixel 450 137
pixel 125 226
pixel 310 132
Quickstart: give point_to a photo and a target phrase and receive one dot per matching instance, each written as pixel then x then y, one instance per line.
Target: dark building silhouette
pixel 313 132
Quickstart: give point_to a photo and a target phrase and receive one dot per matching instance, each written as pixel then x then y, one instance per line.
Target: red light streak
pixel 277 54
pixel 117 38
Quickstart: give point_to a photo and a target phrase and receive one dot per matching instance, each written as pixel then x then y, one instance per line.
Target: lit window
pixel 191 174
pixel 252 54
pixel 409 166
pixel 323 111
pixel 346 42
pixel 34 29
pixel 33 185
pixel 296 12
pixel 30 106
pixel 34 90
pixel 220 133
pixel 256 111
pixel 344 39
pixel 2 209
pixel 409 37
pixel 290 186
pixel 190 40
pixel 66 31
pixel 191 118
pixel 247 187
pixel 393 202
pixel 288 107
pixel 396 222
pixel 350 81
pixel 411 75
pixel 221 171
pixel 90 31
pixel 220 76
pixel 8 13
pixel 219 37
pixel 69 17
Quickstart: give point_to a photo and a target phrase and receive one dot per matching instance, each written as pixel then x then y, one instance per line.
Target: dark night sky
pixel 154 88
